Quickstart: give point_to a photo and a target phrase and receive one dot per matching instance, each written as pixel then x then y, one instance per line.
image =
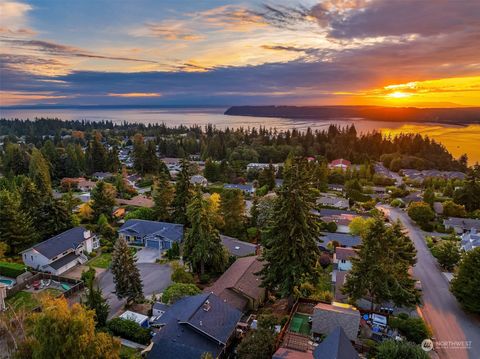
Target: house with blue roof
pixel 247 189
pixel 61 252
pixel 151 234
pixel 194 325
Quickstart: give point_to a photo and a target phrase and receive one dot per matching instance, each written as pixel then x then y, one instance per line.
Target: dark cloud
pixel 52 48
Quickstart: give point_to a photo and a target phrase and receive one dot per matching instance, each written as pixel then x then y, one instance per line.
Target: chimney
pixel 206 306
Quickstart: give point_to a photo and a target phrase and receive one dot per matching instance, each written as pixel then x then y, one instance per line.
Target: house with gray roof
pixel 151 234
pixel 238 248
pixel 462 225
pixel 343 240
pixel 245 188
pixel 195 325
pixel 336 346
pixel 61 252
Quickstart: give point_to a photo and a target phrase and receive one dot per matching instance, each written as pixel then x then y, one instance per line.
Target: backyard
pixel 101 261
pixel 29 300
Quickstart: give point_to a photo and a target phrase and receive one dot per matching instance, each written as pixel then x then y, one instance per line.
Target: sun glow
pixel 398 94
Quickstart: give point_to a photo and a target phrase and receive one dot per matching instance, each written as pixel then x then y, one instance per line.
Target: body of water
pixel 457 139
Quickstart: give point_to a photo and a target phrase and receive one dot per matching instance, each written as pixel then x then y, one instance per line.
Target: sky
pixel 422 53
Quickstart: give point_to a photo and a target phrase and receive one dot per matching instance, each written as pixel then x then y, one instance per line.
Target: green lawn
pixel 101 261
pixel 129 353
pixel 28 300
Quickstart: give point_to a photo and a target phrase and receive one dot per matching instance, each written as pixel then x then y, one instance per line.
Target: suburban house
pixel 335 346
pixel 245 188
pixel 198 180
pixel 194 325
pixel 339 164
pixel 102 175
pixel 238 248
pixel 341 239
pixel 470 240
pixel 239 286
pixel 327 317
pixel 159 309
pixel 340 217
pixel 151 234
pixel 333 201
pixel 61 252
pixel 342 258
pixel 462 225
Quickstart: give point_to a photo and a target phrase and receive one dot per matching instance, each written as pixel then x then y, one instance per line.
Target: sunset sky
pixel 211 52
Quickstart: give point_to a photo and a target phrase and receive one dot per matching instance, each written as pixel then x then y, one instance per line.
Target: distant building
pixel 342 257
pixel 198 180
pixel 102 175
pixel 340 163
pixel 140 319
pixel 343 240
pixel 262 166
pixel 245 188
pixel 333 201
pixel 137 201
pixel 151 234
pixel 61 252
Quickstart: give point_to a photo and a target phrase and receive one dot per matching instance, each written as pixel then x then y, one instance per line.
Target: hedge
pixel 128 329
pixel 12 270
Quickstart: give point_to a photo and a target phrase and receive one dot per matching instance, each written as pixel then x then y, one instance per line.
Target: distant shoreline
pixel 453 116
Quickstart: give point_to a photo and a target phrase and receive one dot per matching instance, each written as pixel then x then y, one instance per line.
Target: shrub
pixel 465 284
pixel 421 213
pixel 177 291
pixel 331 227
pixel 180 275
pixel 128 329
pixel 414 329
pixel 447 253
pixel 389 349
pixel 397 202
pixel 204 278
pixel 12 270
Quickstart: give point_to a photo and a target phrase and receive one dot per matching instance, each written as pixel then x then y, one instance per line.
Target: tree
pixel 177 291
pixel 52 217
pixel 359 225
pixel 429 196
pixel 451 209
pixel 96 155
pixel 267 177
pixel 61 331
pixel 126 275
pixel 293 232
pixel 16 226
pixel 258 344
pixel 202 246
pixel 393 349
pixel 163 195
pixel 39 172
pixel 421 213
pixel 183 193
pixel 96 302
pixel 232 207
pixel 414 329
pixel 466 284
pixel 447 253
pixel 180 274
pixel 469 194
pixel 380 270
pixel 103 199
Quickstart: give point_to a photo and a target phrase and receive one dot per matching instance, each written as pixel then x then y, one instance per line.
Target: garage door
pixel 152 243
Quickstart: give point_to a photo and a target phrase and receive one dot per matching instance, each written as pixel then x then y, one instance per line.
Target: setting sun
pixel 398 94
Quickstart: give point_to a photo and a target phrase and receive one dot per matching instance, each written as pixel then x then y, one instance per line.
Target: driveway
pixel 147 255
pixel 155 278
pixel 451 326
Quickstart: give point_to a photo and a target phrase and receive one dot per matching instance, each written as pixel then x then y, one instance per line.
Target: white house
pixel 61 252
pixel 138 318
pixel 342 257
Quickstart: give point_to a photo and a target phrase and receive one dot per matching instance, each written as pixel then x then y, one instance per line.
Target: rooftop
pixel 238 248
pixel 143 227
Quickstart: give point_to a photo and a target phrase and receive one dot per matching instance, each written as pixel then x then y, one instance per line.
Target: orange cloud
pixel 135 94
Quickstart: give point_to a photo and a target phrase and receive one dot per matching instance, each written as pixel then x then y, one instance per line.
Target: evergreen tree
pixel 103 199
pixel 380 270
pixel 96 302
pixel 469 194
pixel 466 283
pixel 163 195
pixel 113 161
pixel 202 247
pixel 139 152
pixel 39 172
pixel 232 207
pixel 211 171
pixel 151 161
pixel 267 177
pixel 126 275
pixel 293 232
pixel 96 156
pixel 16 227
pixel 30 198
pixel 254 211
pixel 429 196
pixel 183 193
pixel 52 218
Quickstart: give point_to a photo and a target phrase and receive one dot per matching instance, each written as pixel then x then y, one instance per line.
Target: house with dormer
pixel 61 252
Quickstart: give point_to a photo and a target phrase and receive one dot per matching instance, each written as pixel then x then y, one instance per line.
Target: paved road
pixel 155 278
pixel 441 310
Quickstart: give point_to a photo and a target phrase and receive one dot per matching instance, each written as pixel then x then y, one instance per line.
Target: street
pixel 451 326
pixel 155 278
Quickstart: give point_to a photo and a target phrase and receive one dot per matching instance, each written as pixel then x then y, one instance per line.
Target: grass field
pixel 101 261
